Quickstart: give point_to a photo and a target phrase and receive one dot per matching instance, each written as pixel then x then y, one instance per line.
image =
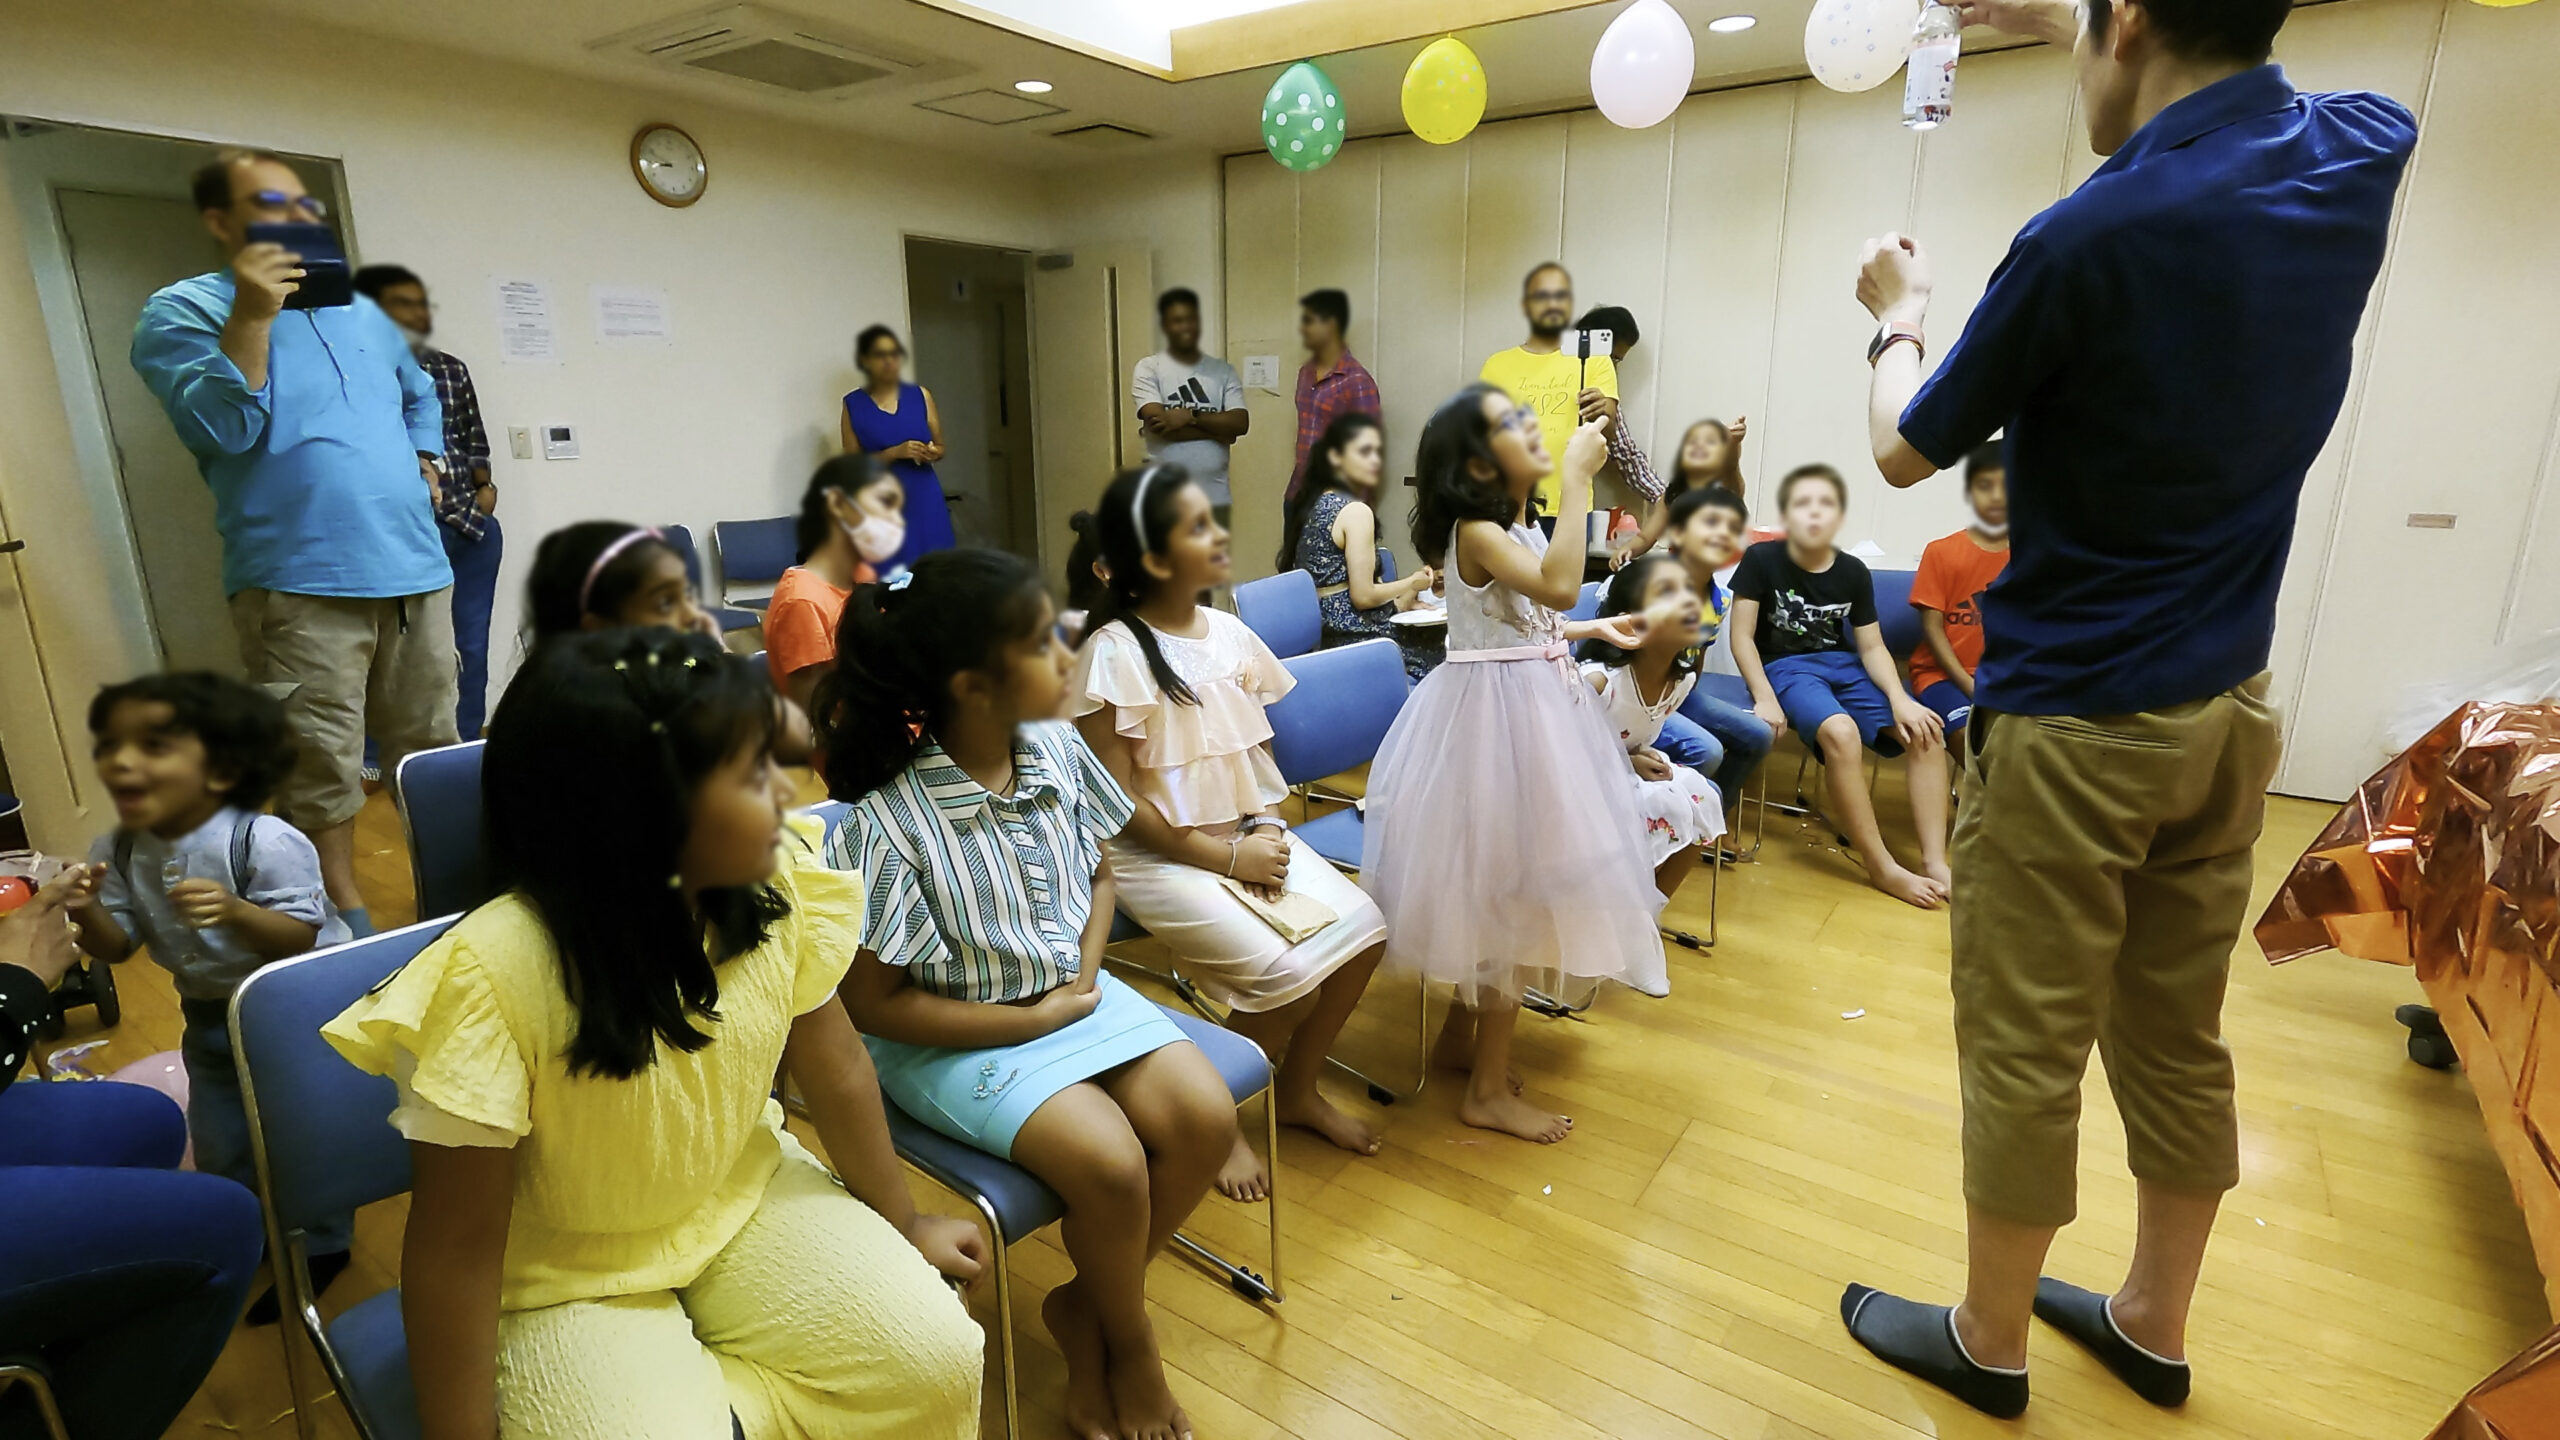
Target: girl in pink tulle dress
pixel 1503 842
pixel 1170 694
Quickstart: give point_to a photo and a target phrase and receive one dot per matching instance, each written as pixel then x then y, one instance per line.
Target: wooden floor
pixel 1743 1149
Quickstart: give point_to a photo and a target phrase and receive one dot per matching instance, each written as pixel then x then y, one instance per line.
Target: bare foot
pixel 1079 1337
pixel 1242 1178
pixel 1318 1114
pixel 1514 1116
pixel 1924 891
pixel 1144 1400
pixel 1459 1053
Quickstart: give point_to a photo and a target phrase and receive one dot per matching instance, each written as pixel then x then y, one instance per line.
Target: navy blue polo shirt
pixel 2167 348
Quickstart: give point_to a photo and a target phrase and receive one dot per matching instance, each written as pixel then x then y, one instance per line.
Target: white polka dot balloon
pixel 1859 44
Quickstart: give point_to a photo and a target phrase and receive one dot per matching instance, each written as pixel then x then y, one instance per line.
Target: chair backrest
pixel 1282 610
pixel 830 813
pixel 1386 566
pixel 1335 719
pixel 439 796
pixel 680 540
pixel 319 1128
pixel 754 553
pixel 1588 606
pixel 1894 615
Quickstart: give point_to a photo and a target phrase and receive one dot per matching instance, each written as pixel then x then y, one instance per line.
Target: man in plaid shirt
pixel 467 501
pixel 1331 384
pixel 1624 452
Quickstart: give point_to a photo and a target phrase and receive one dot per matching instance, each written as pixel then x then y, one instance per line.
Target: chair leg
pixel 42 1390
pixel 1004 1316
pixel 1271 1186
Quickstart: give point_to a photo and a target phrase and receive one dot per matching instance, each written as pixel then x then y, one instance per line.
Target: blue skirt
pixel 982 1097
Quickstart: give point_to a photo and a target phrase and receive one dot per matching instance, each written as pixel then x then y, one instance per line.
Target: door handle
pixel 12 547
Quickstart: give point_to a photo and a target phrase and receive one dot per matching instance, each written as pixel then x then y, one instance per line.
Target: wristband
pixel 1232 846
pixel 1894 333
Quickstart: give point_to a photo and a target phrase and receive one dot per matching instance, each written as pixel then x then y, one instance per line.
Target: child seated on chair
pixel 610 1231
pixel 1807 641
pixel 600 574
pixel 979 826
pixel 1710 734
pixel 1170 693
pixel 211 887
pixel 1641 689
pixel 1954 571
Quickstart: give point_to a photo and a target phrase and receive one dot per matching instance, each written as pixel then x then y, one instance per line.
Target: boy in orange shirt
pixel 1953 574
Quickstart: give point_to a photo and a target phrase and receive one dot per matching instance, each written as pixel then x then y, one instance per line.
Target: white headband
pixel 1138 508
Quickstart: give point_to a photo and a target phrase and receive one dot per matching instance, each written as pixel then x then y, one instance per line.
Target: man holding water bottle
pixel 322 441
pixel 2167 349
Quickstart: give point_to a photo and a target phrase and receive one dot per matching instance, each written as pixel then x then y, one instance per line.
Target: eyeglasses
pixel 1523 419
pixel 311 205
pixel 1555 297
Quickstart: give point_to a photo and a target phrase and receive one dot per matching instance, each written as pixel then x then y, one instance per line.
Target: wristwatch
pixel 1894 333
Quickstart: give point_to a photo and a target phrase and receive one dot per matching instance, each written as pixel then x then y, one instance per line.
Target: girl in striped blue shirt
pixel 978 824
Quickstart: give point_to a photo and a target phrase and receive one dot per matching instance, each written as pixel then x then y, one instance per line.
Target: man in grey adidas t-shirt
pixel 1190 405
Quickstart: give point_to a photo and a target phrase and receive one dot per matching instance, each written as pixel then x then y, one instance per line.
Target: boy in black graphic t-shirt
pixel 1805 635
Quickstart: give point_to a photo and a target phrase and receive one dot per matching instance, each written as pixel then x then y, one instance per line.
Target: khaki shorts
pixel 2102 869
pixel 345 668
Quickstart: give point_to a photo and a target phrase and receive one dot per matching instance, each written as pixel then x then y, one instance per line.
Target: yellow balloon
pixel 2502 4
pixel 1444 91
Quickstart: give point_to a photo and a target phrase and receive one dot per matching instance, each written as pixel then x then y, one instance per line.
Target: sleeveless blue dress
pixel 928 513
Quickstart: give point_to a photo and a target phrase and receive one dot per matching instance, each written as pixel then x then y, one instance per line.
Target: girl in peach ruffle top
pixel 1170 693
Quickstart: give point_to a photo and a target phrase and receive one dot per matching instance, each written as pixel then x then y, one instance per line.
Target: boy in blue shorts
pixel 1806 638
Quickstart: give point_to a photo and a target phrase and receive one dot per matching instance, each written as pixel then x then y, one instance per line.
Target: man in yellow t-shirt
pixel 1540 374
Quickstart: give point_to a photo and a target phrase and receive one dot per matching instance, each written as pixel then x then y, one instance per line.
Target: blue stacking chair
pixel 752 555
pixel 1282 610
pixel 439 801
pixel 320 1133
pixel 729 617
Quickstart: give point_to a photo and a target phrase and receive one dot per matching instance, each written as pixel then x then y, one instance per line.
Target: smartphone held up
pixel 327 281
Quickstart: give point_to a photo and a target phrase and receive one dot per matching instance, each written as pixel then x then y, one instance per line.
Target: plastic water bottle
pixel 1929 85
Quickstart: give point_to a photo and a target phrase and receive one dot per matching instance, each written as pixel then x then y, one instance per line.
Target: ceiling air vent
pixel 992 107
pixel 774 51
pixel 1103 135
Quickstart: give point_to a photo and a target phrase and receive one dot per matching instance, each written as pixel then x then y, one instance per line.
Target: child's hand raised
pixel 202 904
pixel 1586 452
pixel 1624 631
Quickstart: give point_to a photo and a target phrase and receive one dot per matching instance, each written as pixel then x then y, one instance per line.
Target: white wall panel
pixel 1719 312
pixel 1420 358
pixel 1851 179
pixel 2456 412
pixel 1515 213
pixel 1617 207
pixel 1263 235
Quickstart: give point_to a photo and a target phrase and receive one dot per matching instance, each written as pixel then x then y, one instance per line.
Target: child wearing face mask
pixel 851 518
pixel 1954 571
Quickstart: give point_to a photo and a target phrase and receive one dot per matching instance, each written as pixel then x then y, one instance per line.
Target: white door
pixel 1092 316
pixel 124 247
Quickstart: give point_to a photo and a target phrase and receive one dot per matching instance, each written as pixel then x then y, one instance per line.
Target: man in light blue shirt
pixel 321 439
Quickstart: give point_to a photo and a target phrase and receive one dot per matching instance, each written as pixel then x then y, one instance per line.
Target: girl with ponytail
pixel 1170 693
pixel 613 1233
pixel 979 825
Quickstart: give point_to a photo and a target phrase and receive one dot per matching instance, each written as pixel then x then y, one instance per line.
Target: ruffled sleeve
pixel 896 925
pixel 1111 670
pixel 827 913
pixel 439 1019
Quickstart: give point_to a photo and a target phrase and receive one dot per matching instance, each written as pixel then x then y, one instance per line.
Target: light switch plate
pixel 520 441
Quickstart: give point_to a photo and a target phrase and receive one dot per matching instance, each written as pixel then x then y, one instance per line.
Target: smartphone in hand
pixel 327 280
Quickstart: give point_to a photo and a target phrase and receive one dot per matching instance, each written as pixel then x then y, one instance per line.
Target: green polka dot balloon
pixel 1302 118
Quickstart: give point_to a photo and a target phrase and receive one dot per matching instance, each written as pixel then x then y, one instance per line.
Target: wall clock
pixel 669 165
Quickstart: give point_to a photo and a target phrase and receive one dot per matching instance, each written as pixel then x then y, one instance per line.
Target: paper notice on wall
pixel 525 332
pixel 625 313
pixel 1262 372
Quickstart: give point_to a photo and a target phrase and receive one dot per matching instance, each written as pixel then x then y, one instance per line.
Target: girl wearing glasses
pixel 1503 840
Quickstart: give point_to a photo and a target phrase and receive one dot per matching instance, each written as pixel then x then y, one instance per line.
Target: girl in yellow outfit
pixel 610 1233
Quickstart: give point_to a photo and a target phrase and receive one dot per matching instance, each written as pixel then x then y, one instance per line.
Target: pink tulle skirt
pixel 1503 841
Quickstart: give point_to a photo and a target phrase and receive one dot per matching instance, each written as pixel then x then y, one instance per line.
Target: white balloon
pixel 1859 44
pixel 1642 69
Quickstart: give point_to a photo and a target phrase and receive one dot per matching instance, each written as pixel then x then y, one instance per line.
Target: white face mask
pixel 878 537
pixel 1989 529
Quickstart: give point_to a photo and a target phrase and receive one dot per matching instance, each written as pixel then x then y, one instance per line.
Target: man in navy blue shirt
pixel 2167 349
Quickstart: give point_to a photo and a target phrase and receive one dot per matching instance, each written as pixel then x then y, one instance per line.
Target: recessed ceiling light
pixel 1733 24
pixel 1033 87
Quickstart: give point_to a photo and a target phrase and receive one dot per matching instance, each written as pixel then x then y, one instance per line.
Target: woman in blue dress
pixel 1331 532
pixel 896 423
